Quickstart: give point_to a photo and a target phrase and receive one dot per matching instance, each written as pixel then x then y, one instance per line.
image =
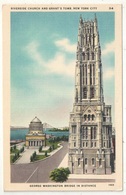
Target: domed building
pixel 35 137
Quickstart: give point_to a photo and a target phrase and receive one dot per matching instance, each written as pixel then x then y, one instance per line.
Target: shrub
pixel 60 174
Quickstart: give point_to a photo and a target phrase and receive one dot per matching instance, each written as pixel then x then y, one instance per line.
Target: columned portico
pixel 35 143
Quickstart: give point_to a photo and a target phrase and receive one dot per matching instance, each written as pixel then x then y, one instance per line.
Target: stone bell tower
pixel 90 139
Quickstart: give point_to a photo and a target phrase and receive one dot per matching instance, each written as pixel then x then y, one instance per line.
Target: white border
pixel 124 82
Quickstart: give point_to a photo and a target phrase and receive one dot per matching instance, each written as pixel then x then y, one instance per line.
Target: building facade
pixel 90 139
pixel 35 137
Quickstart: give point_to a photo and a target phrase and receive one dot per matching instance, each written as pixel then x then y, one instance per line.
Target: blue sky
pixel 43 54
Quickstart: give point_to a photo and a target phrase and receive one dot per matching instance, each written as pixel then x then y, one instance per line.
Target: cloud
pixel 57 65
pixel 108 74
pixel 65 45
pixel 109 48
pixel 33 52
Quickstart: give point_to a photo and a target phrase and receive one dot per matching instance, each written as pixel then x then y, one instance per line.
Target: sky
pixel 43 57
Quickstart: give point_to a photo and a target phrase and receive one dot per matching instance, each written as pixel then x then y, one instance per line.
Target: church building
pixel 90 127
pixel 35 137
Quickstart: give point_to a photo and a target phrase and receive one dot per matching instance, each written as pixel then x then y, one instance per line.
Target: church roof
pixel 36 120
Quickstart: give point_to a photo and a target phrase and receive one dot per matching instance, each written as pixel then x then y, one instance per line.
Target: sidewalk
pixel 64 162
pixel 25 156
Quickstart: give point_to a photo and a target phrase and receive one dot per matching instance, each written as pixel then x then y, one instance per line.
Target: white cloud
pixel 108 74
pixel 65 45
pixel 58 65
pixel 32 50
pixel 109 48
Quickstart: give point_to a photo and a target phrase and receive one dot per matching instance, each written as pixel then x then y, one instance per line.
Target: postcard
pixel 62 82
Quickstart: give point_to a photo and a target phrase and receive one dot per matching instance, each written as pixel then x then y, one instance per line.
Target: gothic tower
pixel 90 139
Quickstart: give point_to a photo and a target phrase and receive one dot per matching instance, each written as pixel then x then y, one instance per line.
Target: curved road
pixel 38 172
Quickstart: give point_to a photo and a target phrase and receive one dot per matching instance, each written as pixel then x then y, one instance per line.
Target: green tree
pixel 14 147
pixel 59 174
pixel 40 148
pixel 50 149
pixel 46 153
pixel 31 158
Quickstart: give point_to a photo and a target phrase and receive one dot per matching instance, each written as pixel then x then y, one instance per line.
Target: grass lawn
pixel 15 151
pixel 51 144
pixel 11 158
pixel 40 157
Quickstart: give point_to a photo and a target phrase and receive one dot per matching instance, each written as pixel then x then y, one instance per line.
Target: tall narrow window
pixel 74 144
pixel 100 162
pixel 92 92
pixel 95 133
pixel 85 93
pixel 93 161
pixel 74 129
pixel 85 133
pixel 78 161
pixel 93 117
pixel 90 74
pixel 93 74
pixel 85 73
pixel 85 161
pixel 83 56
pixel 92 56
pixel 91 132
pixel 88 56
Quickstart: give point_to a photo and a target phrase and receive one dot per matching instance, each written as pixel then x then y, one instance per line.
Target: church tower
pixel 90 139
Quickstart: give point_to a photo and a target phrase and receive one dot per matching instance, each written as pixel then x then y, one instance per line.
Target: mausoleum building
pixel 35 137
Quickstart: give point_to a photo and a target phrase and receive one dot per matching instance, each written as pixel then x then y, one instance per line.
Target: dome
pixel 36 120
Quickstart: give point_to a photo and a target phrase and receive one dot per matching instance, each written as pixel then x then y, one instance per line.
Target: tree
pixel 60 174
pixel 40 148
pixel 14 147
pixel 46 153
pixel 50 149
pixel 31 158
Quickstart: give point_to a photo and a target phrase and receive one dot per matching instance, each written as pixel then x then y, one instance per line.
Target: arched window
pixel 85 117
pixel 92 117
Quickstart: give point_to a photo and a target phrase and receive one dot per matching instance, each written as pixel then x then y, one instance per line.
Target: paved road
pixel 39 171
